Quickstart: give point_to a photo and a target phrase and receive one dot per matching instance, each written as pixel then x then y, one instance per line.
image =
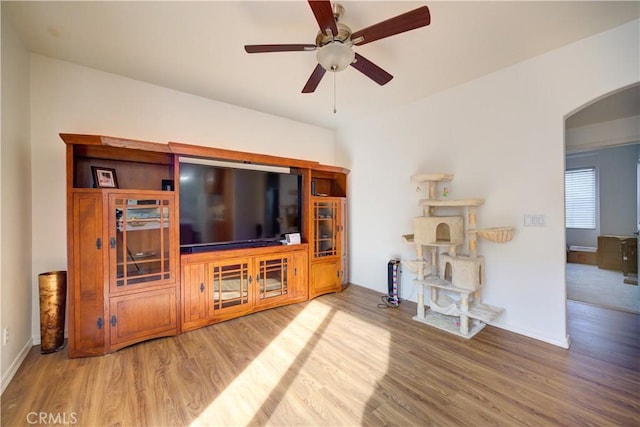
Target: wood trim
pixel 111 141
pixel 305 226
pixel 240 253
pixel 112 148
pixel 72 138
pixel 331 169
pixel 134 144
pixel 122 154
pixel 239 156
pixel 71 263
pixel 182 149
pixel 70 172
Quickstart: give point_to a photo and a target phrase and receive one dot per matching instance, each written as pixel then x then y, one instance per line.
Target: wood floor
pixel 339 360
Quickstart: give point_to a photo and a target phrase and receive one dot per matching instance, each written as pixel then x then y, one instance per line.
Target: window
pixel 580 198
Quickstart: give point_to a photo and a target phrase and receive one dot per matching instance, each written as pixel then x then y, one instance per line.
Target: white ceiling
pixel 197 47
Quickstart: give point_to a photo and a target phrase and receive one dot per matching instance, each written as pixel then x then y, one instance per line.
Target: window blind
pixel 580 198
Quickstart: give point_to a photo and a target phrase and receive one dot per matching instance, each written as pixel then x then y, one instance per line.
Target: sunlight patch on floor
pixel 278 386
pixel 240 401
pixel 343 398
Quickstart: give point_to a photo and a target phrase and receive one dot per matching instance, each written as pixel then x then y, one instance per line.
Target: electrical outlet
pixel 5 336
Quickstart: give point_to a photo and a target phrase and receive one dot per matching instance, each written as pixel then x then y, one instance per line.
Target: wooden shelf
pixel 483 312
pixel 441 284
pixel 451 203
pixel 432 177
pixel 410 239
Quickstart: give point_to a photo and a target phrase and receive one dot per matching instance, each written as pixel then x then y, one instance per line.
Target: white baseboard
pixel 564 343
pixel 13 368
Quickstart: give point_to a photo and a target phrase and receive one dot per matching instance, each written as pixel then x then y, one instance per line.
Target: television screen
pixel 220 205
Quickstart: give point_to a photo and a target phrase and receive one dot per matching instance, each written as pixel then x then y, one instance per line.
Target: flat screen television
pixel 222 207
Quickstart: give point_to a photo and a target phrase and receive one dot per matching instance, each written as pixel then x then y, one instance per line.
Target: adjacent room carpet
pixel 605 288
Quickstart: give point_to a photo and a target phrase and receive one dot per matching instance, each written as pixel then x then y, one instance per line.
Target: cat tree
pixel 453 279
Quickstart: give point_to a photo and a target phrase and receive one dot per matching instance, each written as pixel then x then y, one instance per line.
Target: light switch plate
pixel 534 220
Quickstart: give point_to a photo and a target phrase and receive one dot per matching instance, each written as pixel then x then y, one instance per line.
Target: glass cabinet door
pixel 324 228
pixel 230 284
pixel 140 241
pixel 272 279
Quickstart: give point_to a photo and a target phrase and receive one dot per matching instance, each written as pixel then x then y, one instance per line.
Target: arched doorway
pixel 602 135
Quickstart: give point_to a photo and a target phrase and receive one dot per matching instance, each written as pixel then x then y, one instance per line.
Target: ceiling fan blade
pixel 314 80
pixel 323 12
pixel 263 48
pixel 371 70
pixel 417 18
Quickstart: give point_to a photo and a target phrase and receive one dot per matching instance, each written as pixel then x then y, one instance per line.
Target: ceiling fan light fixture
pixel 335 56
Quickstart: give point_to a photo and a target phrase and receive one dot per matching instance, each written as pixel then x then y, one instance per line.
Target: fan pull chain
pixel 334 93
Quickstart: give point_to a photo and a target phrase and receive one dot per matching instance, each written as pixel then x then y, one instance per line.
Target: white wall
pixel 618 204
pixel 616 169
pixel 605 134
pixel 15 191
pixel 503 137
pixel 72 99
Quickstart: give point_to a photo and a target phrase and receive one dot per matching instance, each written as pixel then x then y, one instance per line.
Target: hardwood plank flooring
pixel 338 360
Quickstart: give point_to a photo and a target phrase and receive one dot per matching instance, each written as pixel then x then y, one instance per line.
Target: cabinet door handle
pixel 98 243
pixel 295 271
pixel 112 242
pixel 201 287
pixel 99 323
pixel 113 320
pixel 250 279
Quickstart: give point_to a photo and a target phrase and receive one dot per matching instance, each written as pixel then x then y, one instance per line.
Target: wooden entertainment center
pixel 128 281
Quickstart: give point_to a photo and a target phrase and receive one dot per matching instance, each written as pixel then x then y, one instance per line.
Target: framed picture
pixel 104 177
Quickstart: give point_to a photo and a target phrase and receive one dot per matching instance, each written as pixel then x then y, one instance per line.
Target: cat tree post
pixel 473 242
pixel 434 272
pixel 420 289
pixel 464 309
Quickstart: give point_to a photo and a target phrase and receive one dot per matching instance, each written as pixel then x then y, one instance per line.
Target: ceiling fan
pixel 335 41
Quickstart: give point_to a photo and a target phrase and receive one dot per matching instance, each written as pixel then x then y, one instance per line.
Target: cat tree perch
pixel 453 279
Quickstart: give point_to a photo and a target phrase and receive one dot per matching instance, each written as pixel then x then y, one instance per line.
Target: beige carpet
pixel 605 288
